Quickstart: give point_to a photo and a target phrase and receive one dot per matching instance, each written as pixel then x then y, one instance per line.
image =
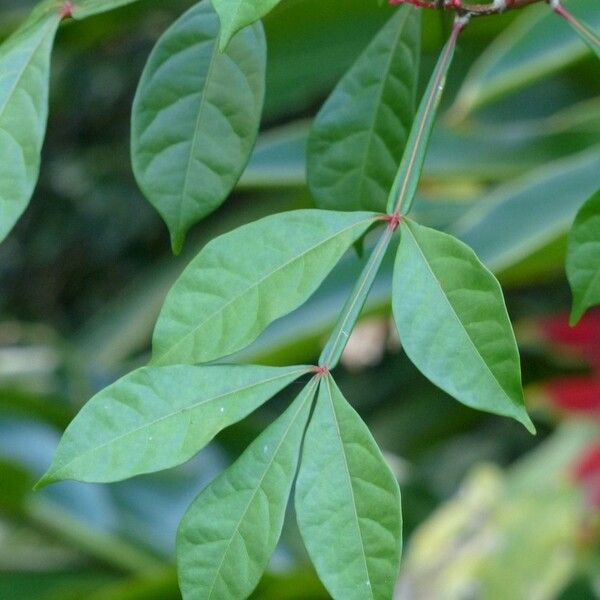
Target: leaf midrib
pixel 51 25
pixel 350 486
pixel 375 113
pixel 309 393
pixel 204 94
pixel 161 360
pixel 453 311
pixel 183 410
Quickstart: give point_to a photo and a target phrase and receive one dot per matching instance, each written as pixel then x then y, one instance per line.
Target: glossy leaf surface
pixel 583 258
pixel 244 280
pixel 237 14
pixel 230 531
pixel 358 137
pixel 453 323
pixel 24 82
pixel 348 503
pixel 156 418
pixel 195 117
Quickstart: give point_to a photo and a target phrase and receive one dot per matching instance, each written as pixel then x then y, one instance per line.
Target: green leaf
pixel 24 82
pixel 88 8
pixel 522 217
pixel 230 531
pixel 195 117
pixel 453 323
pixel 237 14
pixel 536 45
pixel 348 503
pixel 358 137
pixel 156 418
pixel 405 183
pixel 583 258
pixel 244 280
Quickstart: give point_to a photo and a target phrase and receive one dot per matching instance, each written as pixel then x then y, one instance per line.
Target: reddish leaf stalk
pixel 66 11
pixel 589 36
pixel 476 10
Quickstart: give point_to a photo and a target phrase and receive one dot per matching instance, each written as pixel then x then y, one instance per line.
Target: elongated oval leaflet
pixel 24 82
pixel 348 503
pixel 157 418
pixel 244 280
pixel 237 14
pixel 195 117
pixel 583 258
pixel 357 140
pixel 230 531
pixel 453 322
pixel 403 190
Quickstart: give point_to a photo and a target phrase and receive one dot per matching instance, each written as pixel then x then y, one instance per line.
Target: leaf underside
pixel 453 323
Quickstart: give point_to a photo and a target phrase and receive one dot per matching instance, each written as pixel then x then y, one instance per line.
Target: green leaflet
pixel 453 323
pixel 405 183
pixel 156 418
pixel 88 8
pixel 348 503
pixel 230 531
pixel 358 137
pixel 536 45
pixel 195 117
pixel 237 14
pixel 24 82
pixel 583 258
pixel 244 280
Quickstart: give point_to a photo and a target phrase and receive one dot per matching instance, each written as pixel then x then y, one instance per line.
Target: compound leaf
pixel 358 137
pixel 348 503
pixel 583 258
pixel 195 117
pixel 230 531
pixel 453 323
pixel 156 418
pixel 24 83
pixel 244 280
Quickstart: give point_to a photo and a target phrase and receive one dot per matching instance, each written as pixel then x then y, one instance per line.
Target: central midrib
pixel 183 340
pixel 179 412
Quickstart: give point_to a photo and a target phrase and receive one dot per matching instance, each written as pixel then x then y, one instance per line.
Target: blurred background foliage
pixel 489 511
